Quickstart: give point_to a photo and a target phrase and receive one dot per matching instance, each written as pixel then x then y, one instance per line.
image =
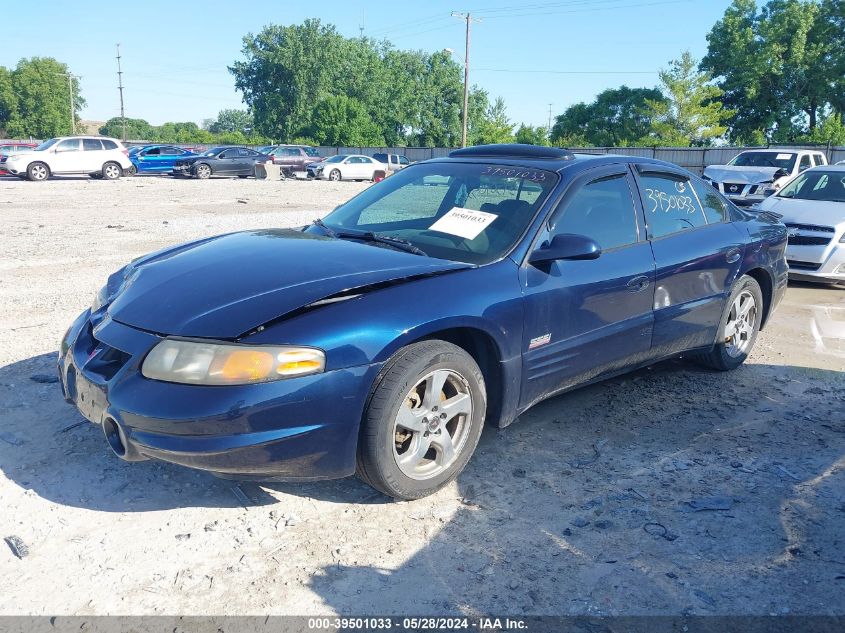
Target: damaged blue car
pixel 381 339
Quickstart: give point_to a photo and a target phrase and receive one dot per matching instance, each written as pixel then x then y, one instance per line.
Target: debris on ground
pixel 18 547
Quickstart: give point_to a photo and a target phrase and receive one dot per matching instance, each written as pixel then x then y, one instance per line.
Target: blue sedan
pixel 457 293
pixel 157 159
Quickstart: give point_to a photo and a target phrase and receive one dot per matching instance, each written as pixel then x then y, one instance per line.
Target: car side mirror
pixel 566 246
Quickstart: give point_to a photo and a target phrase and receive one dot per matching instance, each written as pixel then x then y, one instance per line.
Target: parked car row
pixel 101 157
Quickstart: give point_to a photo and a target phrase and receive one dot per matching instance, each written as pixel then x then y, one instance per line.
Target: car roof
pixel 836 167
pixel 548 159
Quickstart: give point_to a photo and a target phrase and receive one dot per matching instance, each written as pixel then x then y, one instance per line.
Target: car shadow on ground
pixel 670 490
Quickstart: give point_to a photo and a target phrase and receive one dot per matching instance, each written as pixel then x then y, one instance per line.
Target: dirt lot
pixel 595 502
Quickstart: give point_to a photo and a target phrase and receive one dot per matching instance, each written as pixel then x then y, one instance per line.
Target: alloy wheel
pixel 739 329
pixel 432 424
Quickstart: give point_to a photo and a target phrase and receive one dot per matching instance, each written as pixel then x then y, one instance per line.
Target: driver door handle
pixel 638 283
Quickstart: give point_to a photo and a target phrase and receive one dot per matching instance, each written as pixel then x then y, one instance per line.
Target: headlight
pixel 842 239
pixel 199 363
pixel 100 299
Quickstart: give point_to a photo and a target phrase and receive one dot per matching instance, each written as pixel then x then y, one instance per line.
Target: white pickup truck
pixel 754 175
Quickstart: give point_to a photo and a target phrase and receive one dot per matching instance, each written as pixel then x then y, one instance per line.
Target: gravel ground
pixel 671 490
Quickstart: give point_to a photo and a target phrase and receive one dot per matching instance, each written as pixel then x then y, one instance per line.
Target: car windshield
pixel 336 159
pixel 472 213
pixel 781 160
pixel 310 151
pixel 213 151
pixel 826 186
pixel 46 145
pixel 134 150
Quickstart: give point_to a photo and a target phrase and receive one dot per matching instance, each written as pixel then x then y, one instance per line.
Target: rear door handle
pixel 733 255
pixel 640 282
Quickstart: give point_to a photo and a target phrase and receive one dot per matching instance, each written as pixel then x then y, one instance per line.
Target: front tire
pixel 739 326
pixel 423 420
pixel 203 171
pixel 112 171
pixel 37 172
pixel 334 175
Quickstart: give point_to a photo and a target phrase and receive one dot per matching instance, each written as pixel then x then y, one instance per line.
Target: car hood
pixel 747 175
pixel 813 212
pixel 226 286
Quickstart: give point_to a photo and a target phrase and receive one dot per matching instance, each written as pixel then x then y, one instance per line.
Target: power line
pixel 568 72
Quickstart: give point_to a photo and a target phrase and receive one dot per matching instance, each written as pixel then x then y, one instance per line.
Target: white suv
pixel 97 156
pixel 754 175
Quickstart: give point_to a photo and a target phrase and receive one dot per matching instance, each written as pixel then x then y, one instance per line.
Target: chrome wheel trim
pixel 203 171
pixel 742 320
pixel 334 175
pixel 432 425
pixel 38 172
pixel 112 172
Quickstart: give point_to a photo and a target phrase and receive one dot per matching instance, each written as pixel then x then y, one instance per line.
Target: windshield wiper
pixel 396 242
pixel 369 236
pixel 329 231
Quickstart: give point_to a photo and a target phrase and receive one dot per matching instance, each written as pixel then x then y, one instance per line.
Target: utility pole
pixel 549 128
pixel 361 27
pixel 469 20
pixel 70 79
pixel 120 88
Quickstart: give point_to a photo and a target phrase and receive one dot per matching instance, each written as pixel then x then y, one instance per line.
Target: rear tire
pixel 423 420
pixel 739 326
pixel 37 172
pixel 111 171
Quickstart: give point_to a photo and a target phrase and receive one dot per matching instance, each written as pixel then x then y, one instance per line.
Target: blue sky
pixel 175 53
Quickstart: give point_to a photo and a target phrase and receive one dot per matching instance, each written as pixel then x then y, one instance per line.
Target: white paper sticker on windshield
pixel 466 223
pixel 783 156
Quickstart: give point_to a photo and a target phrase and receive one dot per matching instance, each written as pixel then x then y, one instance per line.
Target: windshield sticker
pixel 466 223
pixel 783 156
pixel 511 172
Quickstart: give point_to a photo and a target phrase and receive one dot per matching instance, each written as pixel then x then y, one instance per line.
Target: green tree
pixel 530 135
pixel 690 113
pixel 495 127
pixel 8 99
pixel 231 120
pixel 136 129
pixel 42 99
pixel 617 117
pixel 287 71
pixel 343 121
pixel 780 66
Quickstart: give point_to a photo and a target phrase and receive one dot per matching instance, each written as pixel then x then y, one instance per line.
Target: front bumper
pixel 743 194
pixel 825 264
pixel 297 429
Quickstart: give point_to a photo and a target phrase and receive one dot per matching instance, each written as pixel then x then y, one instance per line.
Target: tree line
pixel 772 74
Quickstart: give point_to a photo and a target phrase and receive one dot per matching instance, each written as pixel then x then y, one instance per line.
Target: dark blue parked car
pixel 458 292
pixel 157 159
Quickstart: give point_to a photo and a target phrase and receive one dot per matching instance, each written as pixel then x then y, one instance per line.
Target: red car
pixel 7 149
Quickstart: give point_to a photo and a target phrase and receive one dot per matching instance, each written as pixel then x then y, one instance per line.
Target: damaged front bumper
pixel 294 429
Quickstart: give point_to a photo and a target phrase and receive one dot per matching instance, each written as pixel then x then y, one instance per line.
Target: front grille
pixel 730 185
pixel 808 240
pixel 810 227
pixel 811 266
pixel 108 360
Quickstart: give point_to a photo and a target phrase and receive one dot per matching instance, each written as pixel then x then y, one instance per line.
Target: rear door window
pixel 670 204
